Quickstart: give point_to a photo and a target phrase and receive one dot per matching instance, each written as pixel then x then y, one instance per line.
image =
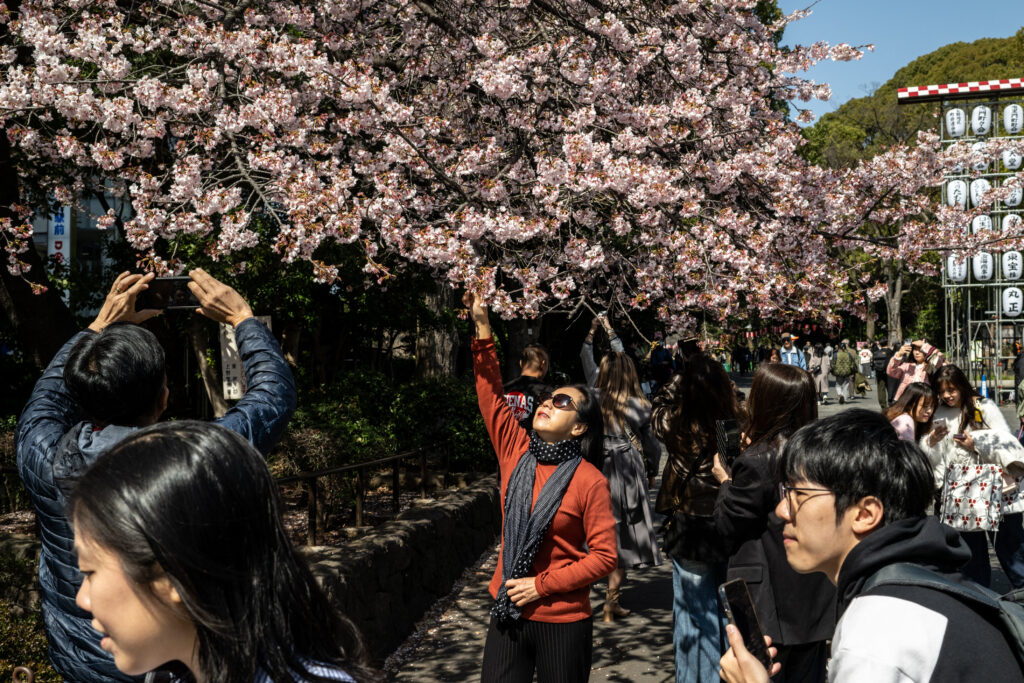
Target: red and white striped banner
pixel 931 93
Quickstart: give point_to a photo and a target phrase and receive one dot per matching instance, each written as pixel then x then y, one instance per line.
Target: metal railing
pixel 311 481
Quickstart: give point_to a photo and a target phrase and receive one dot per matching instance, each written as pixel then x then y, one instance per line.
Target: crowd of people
pixel 163 552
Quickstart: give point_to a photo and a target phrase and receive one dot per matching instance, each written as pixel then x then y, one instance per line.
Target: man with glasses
pixel 855 500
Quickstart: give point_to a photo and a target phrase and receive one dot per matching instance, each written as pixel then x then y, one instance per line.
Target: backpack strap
pixel 1005 611
pixel 909 574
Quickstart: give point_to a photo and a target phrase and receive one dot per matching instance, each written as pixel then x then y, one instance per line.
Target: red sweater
pixel 564 569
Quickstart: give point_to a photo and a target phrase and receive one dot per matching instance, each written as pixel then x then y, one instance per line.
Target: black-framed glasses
pixel 559 401
pixel 785 491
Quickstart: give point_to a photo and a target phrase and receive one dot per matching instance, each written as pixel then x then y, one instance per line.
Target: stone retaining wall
pixel 383 581
pixel 386 580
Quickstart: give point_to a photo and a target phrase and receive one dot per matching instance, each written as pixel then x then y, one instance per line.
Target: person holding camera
pixel 104 384
pixel 794 609
pixel 914 362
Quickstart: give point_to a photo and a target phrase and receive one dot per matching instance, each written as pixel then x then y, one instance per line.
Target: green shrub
pixel 13 495
pixel 443 409
pixel 365 416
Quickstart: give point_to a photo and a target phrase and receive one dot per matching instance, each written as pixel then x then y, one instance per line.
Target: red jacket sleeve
pixel 603 555
pixel 510 440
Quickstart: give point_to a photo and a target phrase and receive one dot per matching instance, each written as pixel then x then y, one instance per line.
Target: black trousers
pixel 559 653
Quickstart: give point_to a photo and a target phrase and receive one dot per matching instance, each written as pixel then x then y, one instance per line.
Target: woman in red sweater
pixel 558 532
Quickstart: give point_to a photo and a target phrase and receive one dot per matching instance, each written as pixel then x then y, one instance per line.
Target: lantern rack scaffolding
pixel 983 299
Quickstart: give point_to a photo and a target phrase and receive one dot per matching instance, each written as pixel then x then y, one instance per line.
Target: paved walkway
pixel 638 648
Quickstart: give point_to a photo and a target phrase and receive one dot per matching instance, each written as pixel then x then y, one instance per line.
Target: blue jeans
pixel 698 632
pixel 1009 546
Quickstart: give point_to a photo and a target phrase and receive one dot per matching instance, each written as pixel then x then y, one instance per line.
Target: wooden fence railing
pixel 311 481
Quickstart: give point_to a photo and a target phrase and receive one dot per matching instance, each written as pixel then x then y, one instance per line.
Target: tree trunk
pixel 869 324
pixel 41 322
pixel 893 301
pixel 200 341
pixel 437 343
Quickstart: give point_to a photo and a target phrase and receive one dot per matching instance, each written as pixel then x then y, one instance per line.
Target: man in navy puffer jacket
pixel 103 384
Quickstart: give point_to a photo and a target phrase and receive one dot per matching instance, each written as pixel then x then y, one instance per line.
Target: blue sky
pixel 900 30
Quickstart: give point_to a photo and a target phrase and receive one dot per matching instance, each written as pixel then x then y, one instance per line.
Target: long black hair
pixel 588 412
pixel 970 411
pixel 909 401
pixel 195 503
pixel 783 398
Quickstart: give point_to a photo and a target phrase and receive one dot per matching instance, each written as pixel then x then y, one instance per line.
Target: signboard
pixel 232 375
pixel 58 240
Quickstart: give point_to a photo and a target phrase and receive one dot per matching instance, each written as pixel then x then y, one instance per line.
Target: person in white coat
pixel 969 428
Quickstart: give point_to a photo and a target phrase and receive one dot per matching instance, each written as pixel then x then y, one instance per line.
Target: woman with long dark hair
pixel 970 429
pixel 558 532
pixel 684 416
pixel 629 443
pixel 186 566
pixel 911 415
pixel 796 610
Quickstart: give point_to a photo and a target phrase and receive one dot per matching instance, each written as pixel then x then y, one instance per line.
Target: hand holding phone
pixel 739 609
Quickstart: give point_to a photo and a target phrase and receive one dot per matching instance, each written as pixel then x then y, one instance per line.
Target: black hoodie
pixel 910 633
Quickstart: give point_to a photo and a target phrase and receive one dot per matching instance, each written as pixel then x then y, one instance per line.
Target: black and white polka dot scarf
pixel 523 530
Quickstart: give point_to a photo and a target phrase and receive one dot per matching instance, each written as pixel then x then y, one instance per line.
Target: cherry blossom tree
pixel 890 208
pixel 625 153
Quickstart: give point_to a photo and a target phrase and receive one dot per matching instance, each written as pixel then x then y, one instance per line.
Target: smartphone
pixel 728 435
pixel 169 293
pixel 959 437
pixel 739 609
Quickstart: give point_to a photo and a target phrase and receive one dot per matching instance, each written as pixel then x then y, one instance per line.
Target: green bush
pixel 13 495
pixel 443 409
pixel 365 417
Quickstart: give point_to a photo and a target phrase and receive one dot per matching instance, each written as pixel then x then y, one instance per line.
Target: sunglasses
pixel 559 401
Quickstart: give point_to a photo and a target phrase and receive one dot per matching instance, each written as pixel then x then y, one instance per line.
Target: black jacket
pixel 793 608
pixel 52 450
pixel 911 632
pixel 688 489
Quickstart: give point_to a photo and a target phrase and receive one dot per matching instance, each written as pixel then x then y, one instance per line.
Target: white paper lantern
pixel 1011 160
pixel 1013 265
pixel 956 268
pixel 956 122
pixel 978 189
pixel 981 120
pixel 982 266
pixel 956 193
pixel 982 149
pixel 1016 194
pixel 1012 299
pixel 1013 119
pixel 980 223
pixel 1011 224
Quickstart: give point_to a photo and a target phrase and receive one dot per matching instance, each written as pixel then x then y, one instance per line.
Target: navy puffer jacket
pixel 53 450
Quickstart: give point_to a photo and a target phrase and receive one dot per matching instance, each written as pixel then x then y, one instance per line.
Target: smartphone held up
pixel 168 293
pixel 739 609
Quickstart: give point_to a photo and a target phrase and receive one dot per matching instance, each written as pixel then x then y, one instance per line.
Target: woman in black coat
pixel 796 610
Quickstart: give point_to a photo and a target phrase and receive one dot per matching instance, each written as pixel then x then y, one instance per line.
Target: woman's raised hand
pixel 478 314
